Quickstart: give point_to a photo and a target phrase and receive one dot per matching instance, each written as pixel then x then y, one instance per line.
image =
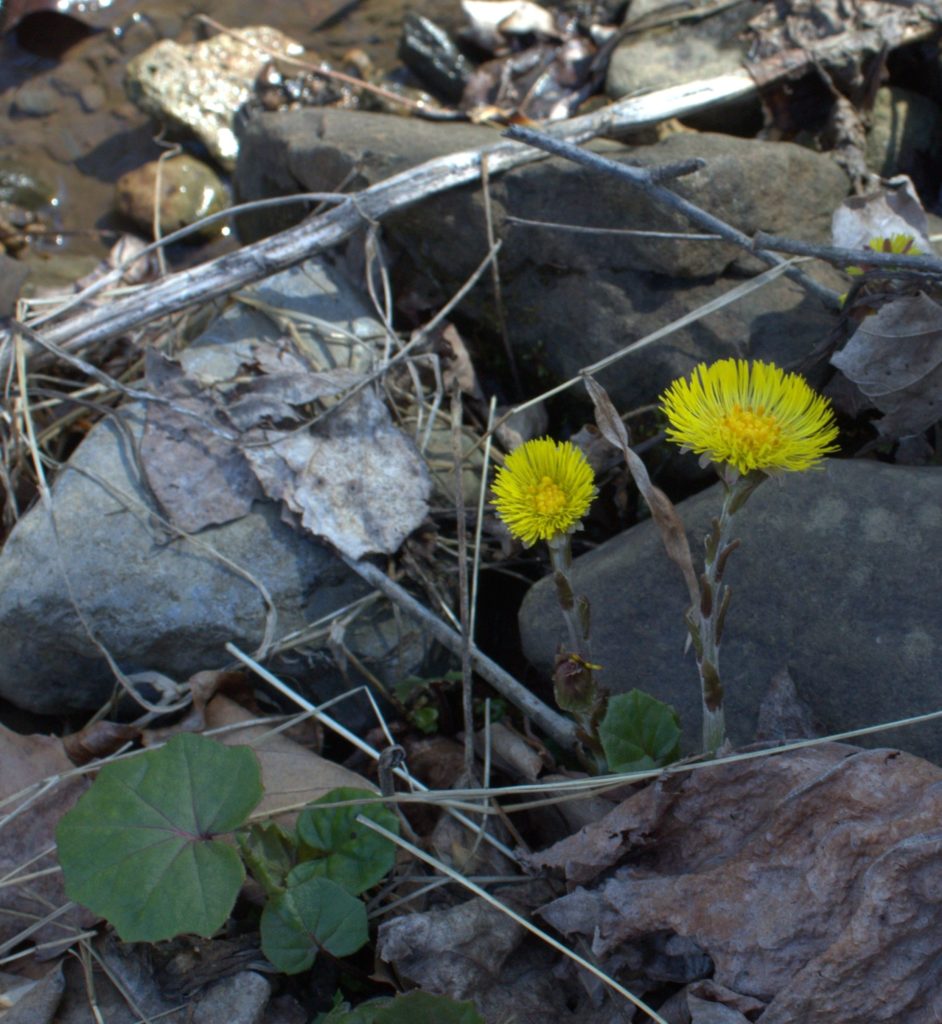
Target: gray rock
pixel 836 580
pixel 165 604
pixel 904 134
pixel 571 299
pixel 673 56
pixel 238 999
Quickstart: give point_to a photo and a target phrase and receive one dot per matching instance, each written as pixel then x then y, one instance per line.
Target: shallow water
pixel 65 118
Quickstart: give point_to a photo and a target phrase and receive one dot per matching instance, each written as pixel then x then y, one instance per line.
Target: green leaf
pixel 639 732
pixel 425 719
pixel 139 847
pixel 335 846
pixel 269 852
pixel 317 914
pixel 414 1008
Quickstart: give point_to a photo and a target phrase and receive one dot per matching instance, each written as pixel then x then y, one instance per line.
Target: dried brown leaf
pixel 291 774
pixel 460 950
pixel 98 740
pixel 895 358
pixel 810 879
pixel 457 364
pixel 197 475
pixel 26 761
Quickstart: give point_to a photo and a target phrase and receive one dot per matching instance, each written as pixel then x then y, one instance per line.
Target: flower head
pixel 543 489
pixel 751 416
pixel 899 245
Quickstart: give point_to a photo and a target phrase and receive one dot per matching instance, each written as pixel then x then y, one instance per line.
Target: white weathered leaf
pixel 355 479
pixel 511 16
pixel 894 210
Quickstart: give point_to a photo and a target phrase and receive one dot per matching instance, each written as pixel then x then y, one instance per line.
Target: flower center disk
pixel 751 430
pixel 548 497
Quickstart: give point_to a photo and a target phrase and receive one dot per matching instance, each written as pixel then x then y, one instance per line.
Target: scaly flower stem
pixel 706 621
pixel 573 680
pixel 574 611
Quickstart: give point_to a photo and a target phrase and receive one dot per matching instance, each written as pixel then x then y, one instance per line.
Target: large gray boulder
pixel 572 299
pixel 837 580
pixel 100 563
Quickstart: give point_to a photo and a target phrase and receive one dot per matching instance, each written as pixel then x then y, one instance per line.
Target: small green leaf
pixel 334 845
pixel 639 732
pixel 139 847
pixel 414 1008
pixel 425 719
pixel 317 914
pixel 269 852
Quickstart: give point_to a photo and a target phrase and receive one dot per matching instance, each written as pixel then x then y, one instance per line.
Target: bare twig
pixel 561 729
pixel 467 707
pixel 841 257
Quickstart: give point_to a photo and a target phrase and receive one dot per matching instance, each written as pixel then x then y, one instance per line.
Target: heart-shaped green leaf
pixel 639 732
pixel 139 848
pixel 317 914
pixel 335 845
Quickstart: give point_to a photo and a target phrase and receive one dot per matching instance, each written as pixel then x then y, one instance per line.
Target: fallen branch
pixel 262 259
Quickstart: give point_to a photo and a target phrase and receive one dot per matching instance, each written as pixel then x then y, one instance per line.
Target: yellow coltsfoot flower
pixel 543 489
pixel 752 416
pixel 899 245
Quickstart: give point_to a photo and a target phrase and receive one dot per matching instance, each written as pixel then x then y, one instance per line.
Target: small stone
pixel 35 101
pixel 189 191
pixel 238 999
pixel 200 87
pixel 92 97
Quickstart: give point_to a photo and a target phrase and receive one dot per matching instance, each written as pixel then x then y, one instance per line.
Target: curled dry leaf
pixel 488 18
pixel 99 739
pixel 457 366
pixel 895 358
pixel 810 878
pixel 355 479
pixel 663 513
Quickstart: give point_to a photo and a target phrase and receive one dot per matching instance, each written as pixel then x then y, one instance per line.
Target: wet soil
pixel 66 123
